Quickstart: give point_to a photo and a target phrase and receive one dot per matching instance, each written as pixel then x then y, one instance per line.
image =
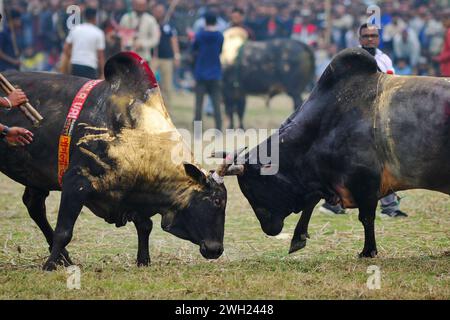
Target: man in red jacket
pixel 444 57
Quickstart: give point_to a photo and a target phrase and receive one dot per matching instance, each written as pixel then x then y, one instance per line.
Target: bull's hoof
pixel 64 259
pixel 143 262
pixel 368 254
pixel 49 266
pixel 298 244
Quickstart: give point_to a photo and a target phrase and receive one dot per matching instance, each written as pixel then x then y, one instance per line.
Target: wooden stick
pixel 171 10
pixel 13 32
pixel 28 113
pixel 328 20
pixel 22 108
pixel 31 113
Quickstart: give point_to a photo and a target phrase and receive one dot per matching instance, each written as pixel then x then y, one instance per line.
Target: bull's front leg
pixel 34 200
pixel 75 190
pixel 144 227
pixel 367 212
pixel 301 230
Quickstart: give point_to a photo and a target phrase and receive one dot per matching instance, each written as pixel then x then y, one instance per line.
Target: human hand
pixel 17 97
pixel 19 136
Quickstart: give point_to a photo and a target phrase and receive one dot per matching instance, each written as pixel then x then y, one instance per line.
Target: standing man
pixel 444 57
pixel 85 45
pixel 207 48
pixel 234 99
pixel 407 46
pixel 369 40
pixel 168 53
pixel 146 29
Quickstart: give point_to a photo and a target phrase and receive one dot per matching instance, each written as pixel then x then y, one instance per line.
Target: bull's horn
pixel 235 170
pixel 229 159
pixel 219 154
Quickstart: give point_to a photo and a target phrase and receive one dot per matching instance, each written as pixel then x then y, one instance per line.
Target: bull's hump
pixel 141 63
pixel 348 63
pixel 128 72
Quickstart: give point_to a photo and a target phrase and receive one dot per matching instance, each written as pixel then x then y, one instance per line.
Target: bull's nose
pixel 272 229
pixel 211 250
pixel 270 224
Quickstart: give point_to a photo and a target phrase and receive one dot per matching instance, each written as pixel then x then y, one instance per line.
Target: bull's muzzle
pixel 270 224
pixel 211 249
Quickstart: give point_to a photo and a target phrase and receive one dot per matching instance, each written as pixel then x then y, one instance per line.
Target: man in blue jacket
pixel 207 48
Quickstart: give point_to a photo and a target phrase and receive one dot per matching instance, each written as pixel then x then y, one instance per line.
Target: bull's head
pixel 272 196
pixel 202 220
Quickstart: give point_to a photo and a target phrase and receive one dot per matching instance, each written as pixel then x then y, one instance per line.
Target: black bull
pixel 120 161
pixel 268 67
pixel 361 135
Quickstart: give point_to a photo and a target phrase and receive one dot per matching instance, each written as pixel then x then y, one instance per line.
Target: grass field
pixel 414 253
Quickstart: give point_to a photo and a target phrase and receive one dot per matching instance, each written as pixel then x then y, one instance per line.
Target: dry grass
pixel 414 255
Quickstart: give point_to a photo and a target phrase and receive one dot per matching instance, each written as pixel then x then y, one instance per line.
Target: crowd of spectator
pixel 412 31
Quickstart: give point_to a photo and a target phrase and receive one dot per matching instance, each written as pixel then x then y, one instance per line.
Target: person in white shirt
pixel 85 45
pixel 369 39
pixel 145 30
pixel 407 46
pixel 384 62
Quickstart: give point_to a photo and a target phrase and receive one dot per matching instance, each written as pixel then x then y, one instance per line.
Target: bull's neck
pixel 142 167
pixel 296 137
pixel 173 196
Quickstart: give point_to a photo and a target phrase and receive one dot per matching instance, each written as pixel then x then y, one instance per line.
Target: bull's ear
pixel 127 72
pixel 195 173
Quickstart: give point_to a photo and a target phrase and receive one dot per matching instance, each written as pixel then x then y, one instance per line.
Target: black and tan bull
pixel 126 161
pixel 361 135
pixel 264 68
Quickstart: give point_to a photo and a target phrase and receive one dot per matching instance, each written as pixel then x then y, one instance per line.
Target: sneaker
pixel 395 214
pixel 330 209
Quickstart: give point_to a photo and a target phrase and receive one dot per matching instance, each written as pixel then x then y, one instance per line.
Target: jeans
pixel 235 104
pixel 84 71
pixel 389 204
pixel 165 67
pixel 213 89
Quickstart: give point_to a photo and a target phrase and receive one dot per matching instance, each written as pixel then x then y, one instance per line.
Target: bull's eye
pixel 217 202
